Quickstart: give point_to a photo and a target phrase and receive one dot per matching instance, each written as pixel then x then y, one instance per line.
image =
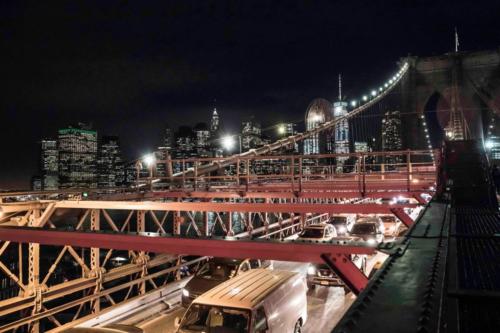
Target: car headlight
pixel 311 270
pixel 185 293
pixel 371 241
pixel 342 229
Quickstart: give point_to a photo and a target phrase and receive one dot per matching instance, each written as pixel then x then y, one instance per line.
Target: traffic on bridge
pixel 377 212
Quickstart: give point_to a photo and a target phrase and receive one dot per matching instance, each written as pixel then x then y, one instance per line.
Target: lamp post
pixel 150 160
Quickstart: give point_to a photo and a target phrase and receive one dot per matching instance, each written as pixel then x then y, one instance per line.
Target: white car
pixel 368 229
pixel 318 232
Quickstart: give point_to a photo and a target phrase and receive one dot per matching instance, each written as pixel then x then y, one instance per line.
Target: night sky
pixel 131 68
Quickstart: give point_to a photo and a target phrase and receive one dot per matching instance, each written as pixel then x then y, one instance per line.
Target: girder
pixel 236 207
pixel 221 247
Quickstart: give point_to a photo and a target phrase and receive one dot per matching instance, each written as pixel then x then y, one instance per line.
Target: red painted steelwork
pixel 347 271
pixel 401 214
pixel 265 249
pixel 236 207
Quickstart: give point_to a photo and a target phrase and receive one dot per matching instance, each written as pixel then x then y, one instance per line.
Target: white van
pixel 257 301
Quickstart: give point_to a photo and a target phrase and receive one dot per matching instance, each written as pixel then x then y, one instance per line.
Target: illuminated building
pixel 251 135
pixel 109 163
pixel 49 157
pixel 202 140
pixel 341 129
pixel 318 112
pixel 77 157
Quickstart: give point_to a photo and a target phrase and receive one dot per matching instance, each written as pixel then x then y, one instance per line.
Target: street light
pixel 149 160
pixel 488 144
pixel 228 142
pixel 281 129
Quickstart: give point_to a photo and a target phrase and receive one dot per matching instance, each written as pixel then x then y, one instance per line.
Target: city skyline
pixel 131 79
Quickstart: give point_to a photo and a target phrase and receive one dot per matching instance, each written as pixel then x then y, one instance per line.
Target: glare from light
pixel 354 103
pixel 380 89
pixel 390 81
pixel 449 134
pixel 386 85
pixel 374 93
pixel 427 136
pixel 371 241
pixel 185 293
pixel 415 181
pixel 491 126
pixel 488 144
pixel 342 229
pixel 365 98
pixel 311 270
pixel 149 160
pixel 281 129
pixel 425 130
pixel 228 142
pixel 430 147
pixel 317 118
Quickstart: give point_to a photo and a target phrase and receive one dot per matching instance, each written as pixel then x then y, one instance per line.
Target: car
pixel 216 271
pixel 368 229
pixel 342 223
pixel 257 301
pixel 318 232
pixel 391 225
pixel 322 275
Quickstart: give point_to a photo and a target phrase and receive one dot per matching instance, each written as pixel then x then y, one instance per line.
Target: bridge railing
pixel 369 171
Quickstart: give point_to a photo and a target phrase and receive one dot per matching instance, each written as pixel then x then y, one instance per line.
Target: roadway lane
pixel 325 305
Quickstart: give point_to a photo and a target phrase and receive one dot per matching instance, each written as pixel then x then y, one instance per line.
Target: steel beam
pixel 401 214
pixel 236 207
pixel 354 278
pixel 218 247
pixel 230 193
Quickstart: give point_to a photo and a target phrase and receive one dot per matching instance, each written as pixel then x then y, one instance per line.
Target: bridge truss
pixel 116 244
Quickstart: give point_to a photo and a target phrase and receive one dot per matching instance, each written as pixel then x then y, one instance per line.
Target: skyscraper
pixel 251 135
pixel 341 128
pixel 318 112
pixel 110 166
pixel 168 139
pixel 391 131
pixel 202 140
pixel 214 123
pixel 391 136
pixel 49 157
pixel 77 157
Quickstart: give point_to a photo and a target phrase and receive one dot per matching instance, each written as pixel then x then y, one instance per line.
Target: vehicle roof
pixel 226 261
pixel 245 290
pixel 316 226
pixel 365 220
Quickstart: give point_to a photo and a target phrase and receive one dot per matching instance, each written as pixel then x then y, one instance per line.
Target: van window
pixel 244 267
pixel 260 321
pixel 207 318
pixel 254 263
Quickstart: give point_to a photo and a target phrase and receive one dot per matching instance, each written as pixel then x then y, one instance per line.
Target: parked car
pixel 342 223
pixel 258 301
pixel 318 232
pixel 216 271
pixel 368 229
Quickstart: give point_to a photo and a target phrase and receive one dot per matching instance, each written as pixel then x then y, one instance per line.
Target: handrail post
pixel 300 174
pixel 363 173
pixel 408 170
